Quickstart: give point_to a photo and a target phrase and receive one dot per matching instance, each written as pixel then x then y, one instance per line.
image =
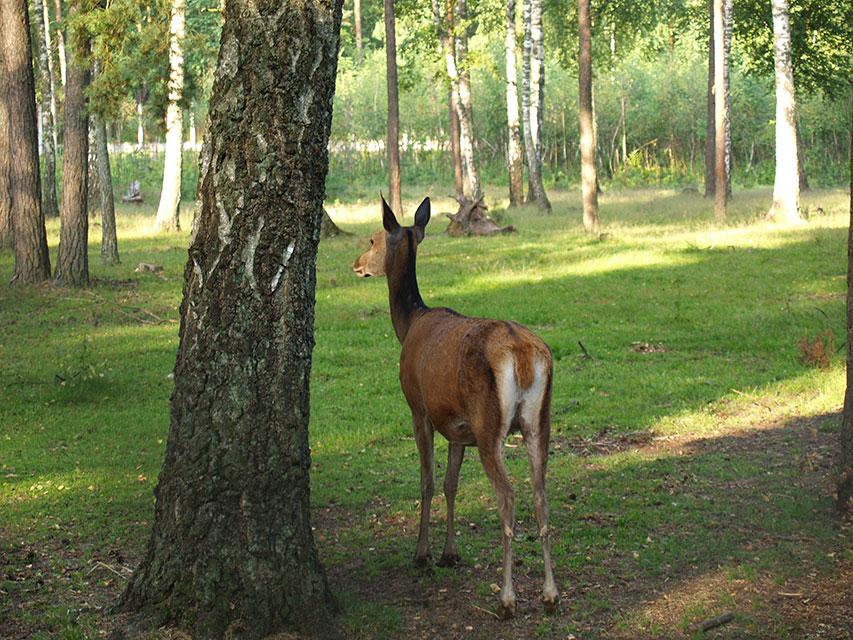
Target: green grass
pixel 693 329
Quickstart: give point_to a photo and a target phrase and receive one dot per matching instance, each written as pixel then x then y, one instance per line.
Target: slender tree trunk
pixel 786 188
pixel 72 261
pixel 356 9
pixel 720 115
pixel 464 104
pixel 535 84
pixel 49 204
pixel 589 175
pixel 32 261
pixel 727 47
pixel 455 152
pixel 710 125
pixel 7 236
pixel 232 550
pixel 109 242
pixel 168 212
pixel 514 157
pixel 60 43
pixel 844 491
pixel 392 141
pixel 801 163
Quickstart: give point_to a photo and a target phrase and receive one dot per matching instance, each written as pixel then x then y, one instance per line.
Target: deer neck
pixel 403 293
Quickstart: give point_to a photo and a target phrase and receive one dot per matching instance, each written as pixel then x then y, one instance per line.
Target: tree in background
pixel 168 212
pixel 392 138
pixel 786 187
pixel 48 109
pixel 109 241
pixel 7 237
pixel 72 261
pixel 514 158
pixel 231 547
pixel 32 261
pixel 589 177
pixel 721 114
pixel 532 101
pixel 844 490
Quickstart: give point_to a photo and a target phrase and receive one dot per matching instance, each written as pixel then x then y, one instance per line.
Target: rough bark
pixel 710 126
pixel 32 261
pixel 720 115
pixel 844 490
pixel 232 550
pixel 168 211
pixel 50 206
pixel 72 260
pixel 109 242
pixel 589 175
pixel 533 87
pixel 392 140
pixel 786 187
pixel 7 237
pixel 514 157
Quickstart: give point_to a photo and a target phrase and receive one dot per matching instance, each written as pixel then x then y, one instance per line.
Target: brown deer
pixel 474 380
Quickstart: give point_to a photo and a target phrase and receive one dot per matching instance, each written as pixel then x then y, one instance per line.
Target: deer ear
pixel 389 220
pixel 422 216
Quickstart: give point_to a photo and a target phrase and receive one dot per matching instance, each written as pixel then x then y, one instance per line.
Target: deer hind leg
pixel 536 429
pixel 424 440
pixel 455 453
pixel 491 455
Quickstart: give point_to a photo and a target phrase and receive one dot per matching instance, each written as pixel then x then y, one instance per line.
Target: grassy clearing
pixel 692 456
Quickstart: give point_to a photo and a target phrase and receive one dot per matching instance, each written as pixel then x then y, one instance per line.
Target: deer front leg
pixel 493 463
pixel 455 453
pixel 424 440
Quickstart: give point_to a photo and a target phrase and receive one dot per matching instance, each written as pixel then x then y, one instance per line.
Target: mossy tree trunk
pixel 232 549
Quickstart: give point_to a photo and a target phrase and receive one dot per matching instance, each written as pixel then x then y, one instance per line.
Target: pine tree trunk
pixel 589 175
pixel 232 549
pixel 50 206
pixel 710 126
pixel 392 140
pixel 72 260
pixel 32 261
pixel 514 158
pixel 109 242
pixel 844 491
pixel 786 188
pixel 168 212
pixel 535 85
pixel 720 115
pixel 7 236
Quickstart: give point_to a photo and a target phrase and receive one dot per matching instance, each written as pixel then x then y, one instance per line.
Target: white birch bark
pixel 514 158
pixel 170 194
pixel 786 188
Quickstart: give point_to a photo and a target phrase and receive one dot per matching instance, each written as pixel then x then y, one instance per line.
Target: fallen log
pixel 471 219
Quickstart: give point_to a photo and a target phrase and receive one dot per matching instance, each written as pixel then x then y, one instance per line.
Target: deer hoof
pixel 506 612
pixel 448 560
pixel 551 606
pixel 422 562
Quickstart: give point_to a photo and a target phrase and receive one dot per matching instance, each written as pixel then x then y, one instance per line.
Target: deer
pixel 475 381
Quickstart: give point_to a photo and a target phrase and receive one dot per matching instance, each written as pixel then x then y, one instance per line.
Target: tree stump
pixel 471 219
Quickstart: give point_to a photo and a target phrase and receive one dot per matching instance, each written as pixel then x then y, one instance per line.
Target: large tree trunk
pixel 844 491
pixel 720 114
pixel 7 236
pixel 786 188
pixel 514 157
pixel 392 141
pixel 168 212
pixel 50 206
pixel 589 175
pixel 710 125
pixel 533 87
pixel 109 242
pixel 232 548
pixel 72 261
pixel 32 261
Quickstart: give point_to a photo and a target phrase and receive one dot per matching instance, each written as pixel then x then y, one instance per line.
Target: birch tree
pixel 589 178
pixel 514 157
pixel 168 212
pixel 392 139
pixel 720 115
pixel 48 109
pixel 232 549
pixel 533 93
pixel 786 187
